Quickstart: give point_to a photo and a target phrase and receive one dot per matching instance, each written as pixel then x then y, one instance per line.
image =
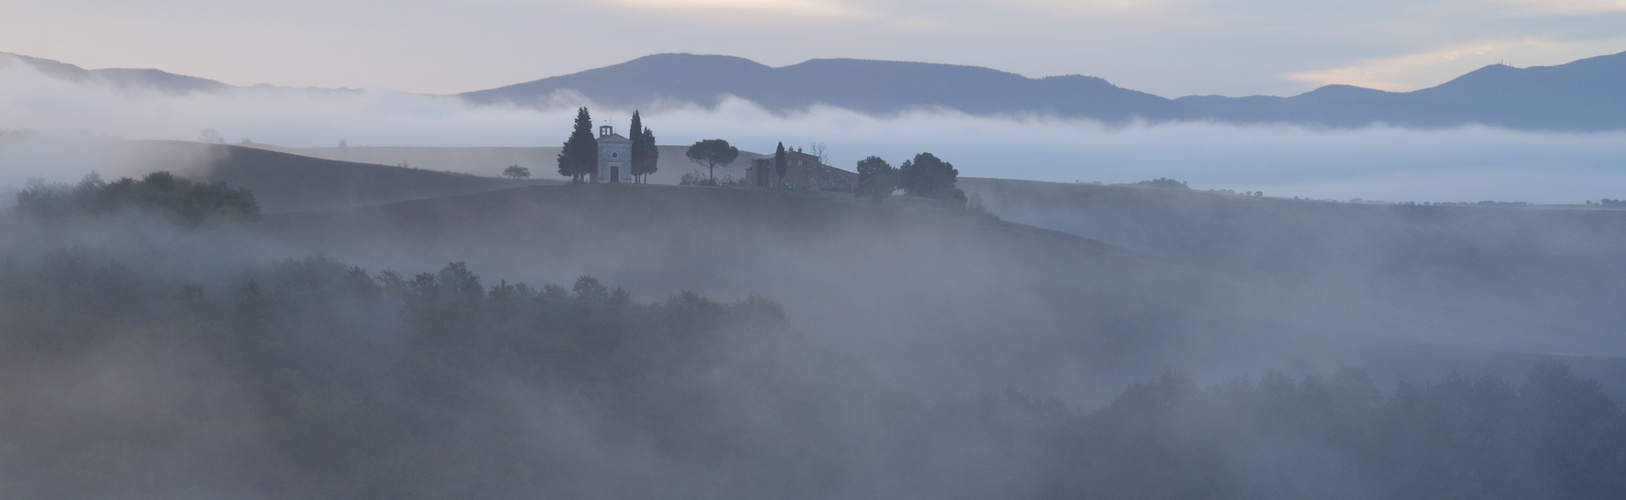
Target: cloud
pixel 799 8
pixel 1075 6
pixel 1564 7
pixel 1466 164
pixel 1413 71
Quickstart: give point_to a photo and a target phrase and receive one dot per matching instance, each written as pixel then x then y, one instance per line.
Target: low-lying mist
pixel 1372 163
pixel 149 359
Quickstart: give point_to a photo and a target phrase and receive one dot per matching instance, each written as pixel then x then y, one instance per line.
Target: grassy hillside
pixel 845 270
pixel 1545 279
pixel 489 161
pixel 285 182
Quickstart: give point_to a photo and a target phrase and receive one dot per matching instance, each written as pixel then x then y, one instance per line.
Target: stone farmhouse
pixel 614 157
pixel 802 171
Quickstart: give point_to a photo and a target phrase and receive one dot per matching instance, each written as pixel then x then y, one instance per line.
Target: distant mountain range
pixel 130 79
pixel 873 87
pixel 1584 95
pixel 118 77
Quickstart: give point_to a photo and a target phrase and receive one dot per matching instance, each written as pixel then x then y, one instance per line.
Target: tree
pixel 876 178
pixel 711 152
pixel 211 136
pixel 928 176
pixel 780 162
pixel 649 160
pixel 635 136
pixel 644 153
pixel 516 172
pixel 821 151
pixel 579 158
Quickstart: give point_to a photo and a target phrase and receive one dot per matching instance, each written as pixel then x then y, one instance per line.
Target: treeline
pixel 925 176
pixel 159 192
pixel 357 384
pixel 1339 436
pixel 435 385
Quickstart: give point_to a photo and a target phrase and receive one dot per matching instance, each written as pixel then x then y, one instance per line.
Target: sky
pixel 1170 48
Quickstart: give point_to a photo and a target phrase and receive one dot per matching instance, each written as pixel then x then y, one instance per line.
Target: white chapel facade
pixel 614 157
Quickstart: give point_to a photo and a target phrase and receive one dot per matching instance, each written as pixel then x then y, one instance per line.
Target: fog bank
pixel 1374 163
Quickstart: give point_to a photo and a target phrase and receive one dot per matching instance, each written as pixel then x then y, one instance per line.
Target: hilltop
pixel 285 182
pixel 489 161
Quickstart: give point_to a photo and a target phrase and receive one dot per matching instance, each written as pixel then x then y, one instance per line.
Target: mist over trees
pixel 156 370
pixel 358 384
pixel 160 192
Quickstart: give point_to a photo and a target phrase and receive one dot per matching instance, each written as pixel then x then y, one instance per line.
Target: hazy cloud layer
pixel 1377 163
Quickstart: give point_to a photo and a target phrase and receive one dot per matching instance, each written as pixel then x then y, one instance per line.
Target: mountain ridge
pixel 1581 95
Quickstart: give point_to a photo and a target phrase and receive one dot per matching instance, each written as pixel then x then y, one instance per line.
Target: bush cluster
pixel 159 192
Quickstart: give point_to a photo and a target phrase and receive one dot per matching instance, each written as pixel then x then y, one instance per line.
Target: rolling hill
pixel 284 182
pixel 1537 279
pixel 306 377
pixel 840 265
pixel 988 302
pixel 1089 287
pixel 489 161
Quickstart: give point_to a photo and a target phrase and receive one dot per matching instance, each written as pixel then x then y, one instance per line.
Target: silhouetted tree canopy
pixel 159 192
pixel 645 154
pixel 876 178
pixel 712 152
pixel 1164 183
pixel 928 176
pixel 780 162
pixel 516 172
pixel 579 157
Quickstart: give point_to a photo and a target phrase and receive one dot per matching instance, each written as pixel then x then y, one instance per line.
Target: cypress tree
pixel 780 163
pixel 648 160
pixel 644 153
pixel 636 136
pixel 579 157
